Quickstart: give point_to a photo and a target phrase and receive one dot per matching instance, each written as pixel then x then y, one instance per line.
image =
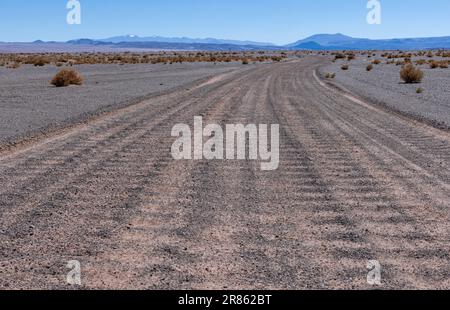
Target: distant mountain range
pixel 342 42
pixel 316 42
pixel 134 39
pixel 220 45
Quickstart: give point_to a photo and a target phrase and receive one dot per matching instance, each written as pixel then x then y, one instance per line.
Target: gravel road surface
pixel 355 183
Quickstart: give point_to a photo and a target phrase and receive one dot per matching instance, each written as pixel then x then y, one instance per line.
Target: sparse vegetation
pixel 71 59
pixel 421 62
pixel 13 65
pixel 330 75
pixel 376 62
pixel 345 67
pixel 339 56
pixel 67 77
pixel 434 64
pixel 419 90
pixel 410 74
pixel 369 67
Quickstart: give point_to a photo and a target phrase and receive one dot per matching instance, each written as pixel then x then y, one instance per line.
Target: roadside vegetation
pixel 71 59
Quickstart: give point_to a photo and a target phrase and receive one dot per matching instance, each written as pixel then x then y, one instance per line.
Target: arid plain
pixel 86 173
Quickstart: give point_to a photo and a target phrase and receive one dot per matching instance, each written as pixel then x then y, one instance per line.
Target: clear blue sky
pixel 279 22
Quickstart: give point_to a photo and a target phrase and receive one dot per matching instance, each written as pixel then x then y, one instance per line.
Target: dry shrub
pixel 410 74
pixel 434 64
pixel 14 65
pixel 376 62
pixel 245 62
pixel 419 90
pixel 369 67
pixel 67 77
pixel 344 67
pixel 421 62
pixel 276 58
pixel 330 75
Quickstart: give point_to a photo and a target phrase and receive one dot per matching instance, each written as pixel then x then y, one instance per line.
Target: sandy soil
pixel 355 183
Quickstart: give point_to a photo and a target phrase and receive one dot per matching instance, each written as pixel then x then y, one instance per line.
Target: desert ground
pixel 29 104
pixel 382 85
pixel 357 180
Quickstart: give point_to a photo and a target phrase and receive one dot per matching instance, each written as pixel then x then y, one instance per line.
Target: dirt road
pixel 354 184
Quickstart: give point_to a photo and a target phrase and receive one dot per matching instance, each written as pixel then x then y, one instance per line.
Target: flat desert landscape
pixel 86 172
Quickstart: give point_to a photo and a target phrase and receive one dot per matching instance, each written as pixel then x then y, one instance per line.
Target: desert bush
pixel 14 65
pixel 443 64
pixel 376 62
pixel 276 58
pixel 351 57
pixel 421 62
pixel 67 77
pixel 245 62
pixel 419 90
pixel 339 56
pixel 410 74
pixel 344 67
pixel 330 75
pixel 40 62
pixel 369 67
pixel 434 64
